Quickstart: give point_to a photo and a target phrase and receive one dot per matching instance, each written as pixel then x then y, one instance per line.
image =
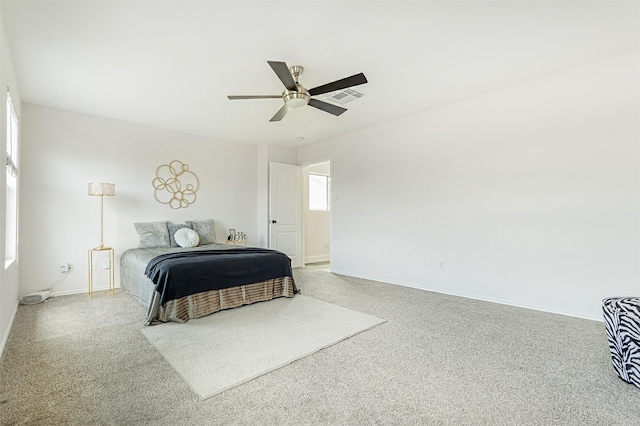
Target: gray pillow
pixel 152 234
pixel 206 230
pixel 172 232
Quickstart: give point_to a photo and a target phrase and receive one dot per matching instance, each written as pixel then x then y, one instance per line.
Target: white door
pixel 285 218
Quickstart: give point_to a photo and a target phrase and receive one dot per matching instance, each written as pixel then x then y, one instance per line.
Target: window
pixel 319 192
pixel 11 218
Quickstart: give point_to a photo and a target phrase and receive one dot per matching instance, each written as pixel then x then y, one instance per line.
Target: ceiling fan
pixel 296 96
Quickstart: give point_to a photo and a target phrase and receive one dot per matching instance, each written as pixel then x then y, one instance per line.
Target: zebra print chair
pixel 622 321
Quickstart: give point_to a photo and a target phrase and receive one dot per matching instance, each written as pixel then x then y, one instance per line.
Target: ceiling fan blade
pixel 331 109
pixel 235 97
pixel 281 113
pixel 354 80
pixel 282 71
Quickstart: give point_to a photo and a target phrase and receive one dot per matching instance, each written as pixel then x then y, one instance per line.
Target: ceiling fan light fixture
pixel 296 99
pixel 296 103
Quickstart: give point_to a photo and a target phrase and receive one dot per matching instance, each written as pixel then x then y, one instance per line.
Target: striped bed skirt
pixel 205 303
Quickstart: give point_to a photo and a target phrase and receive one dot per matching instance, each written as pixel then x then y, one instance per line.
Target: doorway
pixel 316 202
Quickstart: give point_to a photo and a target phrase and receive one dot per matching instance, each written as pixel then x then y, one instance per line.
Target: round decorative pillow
pixel 187 237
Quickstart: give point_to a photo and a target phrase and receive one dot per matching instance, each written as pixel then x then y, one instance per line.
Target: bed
pixel 198 281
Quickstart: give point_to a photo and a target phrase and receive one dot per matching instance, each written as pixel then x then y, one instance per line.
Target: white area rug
pixel 231 347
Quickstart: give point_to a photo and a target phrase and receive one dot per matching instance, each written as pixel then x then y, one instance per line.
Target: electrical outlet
pixel 64 267
pixel 442 265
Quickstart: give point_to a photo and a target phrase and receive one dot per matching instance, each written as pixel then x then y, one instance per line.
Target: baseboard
pixel 316 259
pixel 469 296
pixel 84 290
pixel 8 330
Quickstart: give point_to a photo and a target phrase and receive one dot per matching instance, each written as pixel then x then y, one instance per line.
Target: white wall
pixel 9 277
pixel 64 151
pixel 529 194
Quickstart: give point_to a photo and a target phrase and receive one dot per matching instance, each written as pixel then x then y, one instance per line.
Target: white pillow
pixel 187 237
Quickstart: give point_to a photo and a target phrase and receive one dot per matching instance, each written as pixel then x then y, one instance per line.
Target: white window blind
pixel 11 217
pixel 12 138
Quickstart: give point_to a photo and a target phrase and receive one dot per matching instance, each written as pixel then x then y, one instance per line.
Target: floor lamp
pixel 100 190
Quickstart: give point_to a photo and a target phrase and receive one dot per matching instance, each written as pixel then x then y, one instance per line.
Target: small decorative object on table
pixel 236 238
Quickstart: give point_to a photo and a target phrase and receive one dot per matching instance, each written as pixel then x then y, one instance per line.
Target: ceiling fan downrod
pixel 299 97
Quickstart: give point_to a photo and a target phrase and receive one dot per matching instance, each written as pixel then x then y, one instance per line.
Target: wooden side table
pixel 237 242
pixel 111 269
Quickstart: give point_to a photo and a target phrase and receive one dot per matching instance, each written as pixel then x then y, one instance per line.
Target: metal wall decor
pixel 175 185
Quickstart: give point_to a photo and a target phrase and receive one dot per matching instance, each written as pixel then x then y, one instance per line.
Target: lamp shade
pixel 100 189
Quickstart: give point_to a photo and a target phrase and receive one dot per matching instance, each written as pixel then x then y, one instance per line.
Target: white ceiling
pixel 171 64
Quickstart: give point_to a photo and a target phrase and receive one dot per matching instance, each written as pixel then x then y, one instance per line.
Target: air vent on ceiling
pixel 343 96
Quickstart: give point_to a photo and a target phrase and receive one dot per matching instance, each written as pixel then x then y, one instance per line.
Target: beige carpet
pixel 231 347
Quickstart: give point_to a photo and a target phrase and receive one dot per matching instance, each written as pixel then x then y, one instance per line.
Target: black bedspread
pixel 182 274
